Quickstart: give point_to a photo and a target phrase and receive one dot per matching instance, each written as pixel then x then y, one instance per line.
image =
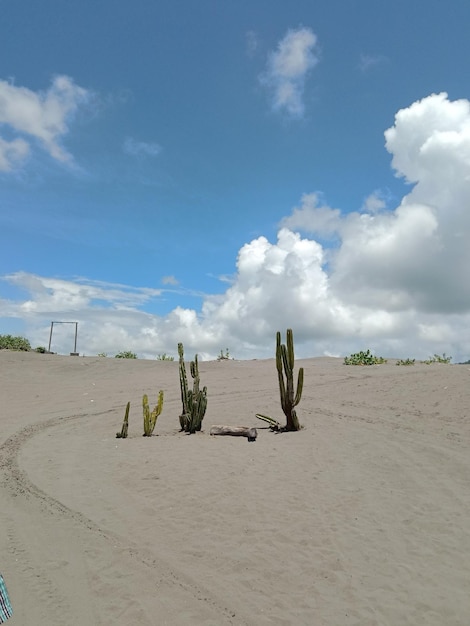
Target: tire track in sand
pixel 18 484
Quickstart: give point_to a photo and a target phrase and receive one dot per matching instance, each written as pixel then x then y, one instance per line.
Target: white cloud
pixel 251 43
pixel 170 280
pixel 419 252
pixel 55 295
pixel 374 203
pixel 287 69
pixel 42 116
pixel 430 143
pixel 137 148
pixel 12 153
pixel 369 61
pixel 313 218
pixel 394 280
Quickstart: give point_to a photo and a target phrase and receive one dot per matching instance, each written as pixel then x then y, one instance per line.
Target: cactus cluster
pixel 194 400
pixel 150 417
pixel 290 397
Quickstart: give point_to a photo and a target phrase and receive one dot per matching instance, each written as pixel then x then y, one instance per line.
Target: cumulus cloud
pixel 110 316
pixel 374 202
pixel 287 69
pixel 275 283
pixel 391 279
pixel 313 217
pixel 430 140
pixel 140 148
pixel 414 256
pixel 40 116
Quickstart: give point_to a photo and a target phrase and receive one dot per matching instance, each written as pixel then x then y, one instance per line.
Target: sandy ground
pixel 362 518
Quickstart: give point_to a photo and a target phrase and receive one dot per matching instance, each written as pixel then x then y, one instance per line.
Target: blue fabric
pixel 5 607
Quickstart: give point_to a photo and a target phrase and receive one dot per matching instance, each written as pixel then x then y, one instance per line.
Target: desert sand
pixel 361 518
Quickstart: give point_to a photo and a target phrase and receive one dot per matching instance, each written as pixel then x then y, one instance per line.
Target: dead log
pixel 235 431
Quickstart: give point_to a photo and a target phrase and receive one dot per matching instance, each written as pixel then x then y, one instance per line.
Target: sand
pixel 362 518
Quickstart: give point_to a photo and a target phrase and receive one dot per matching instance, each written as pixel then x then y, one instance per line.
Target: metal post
pixel 50 337
pixel 75 344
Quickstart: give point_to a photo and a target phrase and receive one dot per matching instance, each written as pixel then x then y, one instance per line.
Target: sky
pixel 212 172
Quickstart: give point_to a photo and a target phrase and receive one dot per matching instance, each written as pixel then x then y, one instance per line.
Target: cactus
pixel 125 424
pixel 183 384
pixel 285 361
pixel 194 400
pixel 289 398
pixel 273 424
pixel 150 418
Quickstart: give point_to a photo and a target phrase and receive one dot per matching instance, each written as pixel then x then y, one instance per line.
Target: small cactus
pixel 125 424
pixel 194 400
pixel 150 418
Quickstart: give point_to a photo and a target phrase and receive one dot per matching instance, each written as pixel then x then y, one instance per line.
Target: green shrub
pixel 364 358
pixel 437 358
pixel 224 356
pixel 127 354
pixel 405 362
pixel 164 357
pixel 41 349
pixel 8 342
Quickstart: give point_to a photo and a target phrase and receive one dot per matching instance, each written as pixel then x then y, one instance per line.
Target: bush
pixel 224 356
pixel 437 358
pixel 41 349
pixel 164 357
pixel 127 354
pixel 405 362
pixel 364 358
pixel 8 342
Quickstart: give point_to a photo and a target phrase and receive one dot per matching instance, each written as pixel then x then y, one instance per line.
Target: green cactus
pixel 194 400
pixel 150 418
pixel 273 424
pixel 285 367
pixel 125 424
pixel 289 398
pixel 183 383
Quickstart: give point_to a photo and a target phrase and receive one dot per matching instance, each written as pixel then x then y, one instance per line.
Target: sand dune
pixel 362 518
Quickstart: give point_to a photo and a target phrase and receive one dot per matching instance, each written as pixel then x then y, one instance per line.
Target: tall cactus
pixel 194 400
pixel 285 367
pixel 150 417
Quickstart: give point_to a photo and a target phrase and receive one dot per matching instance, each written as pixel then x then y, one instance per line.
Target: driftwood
pixel 235 431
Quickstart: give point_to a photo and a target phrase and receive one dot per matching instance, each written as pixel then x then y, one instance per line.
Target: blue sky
pixel 213 171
